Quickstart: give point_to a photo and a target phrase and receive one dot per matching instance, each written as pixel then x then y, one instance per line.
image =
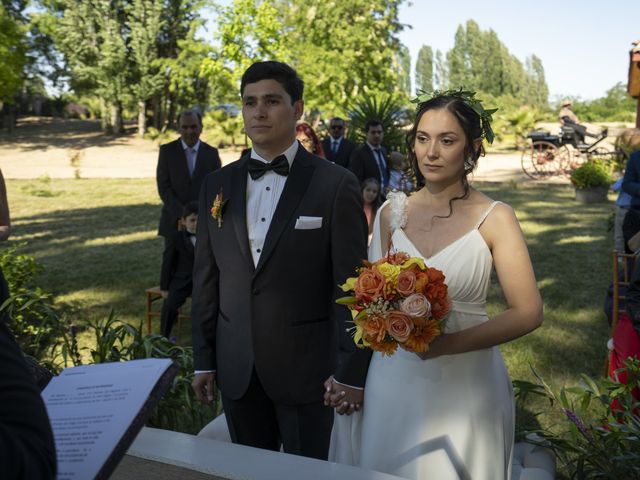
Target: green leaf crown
pixel 470 99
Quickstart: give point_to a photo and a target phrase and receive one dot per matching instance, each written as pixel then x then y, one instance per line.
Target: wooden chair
pixel 621 279
pixel 151 295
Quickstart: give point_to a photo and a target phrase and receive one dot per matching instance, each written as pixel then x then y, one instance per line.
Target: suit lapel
pixel 238 206
pixel 293 192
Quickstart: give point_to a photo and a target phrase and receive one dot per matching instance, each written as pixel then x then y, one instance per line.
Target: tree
pixel 424 69
pixel 441 76
pixel 480 61
pixel 341 49
pixel 459 74
pixel 12 55
pixel 144 22
pixel 91 36
pixel 403 59
pixel 128 54
pixel 241 46
pixel 537 90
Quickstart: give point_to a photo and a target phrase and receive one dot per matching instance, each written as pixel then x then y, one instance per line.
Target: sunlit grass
pixel 97 241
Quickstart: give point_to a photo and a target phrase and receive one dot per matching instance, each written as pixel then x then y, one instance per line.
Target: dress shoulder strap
pixel 398 204
pixel 486 213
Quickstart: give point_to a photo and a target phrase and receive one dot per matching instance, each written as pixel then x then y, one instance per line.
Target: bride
pixel 449 413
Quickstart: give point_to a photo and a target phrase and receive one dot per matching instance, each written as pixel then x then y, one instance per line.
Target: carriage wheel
pixel 543 160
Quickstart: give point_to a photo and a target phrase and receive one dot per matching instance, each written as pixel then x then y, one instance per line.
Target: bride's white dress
pixel 451 417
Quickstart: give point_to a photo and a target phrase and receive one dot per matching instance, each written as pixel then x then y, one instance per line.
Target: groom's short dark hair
pixel 278 71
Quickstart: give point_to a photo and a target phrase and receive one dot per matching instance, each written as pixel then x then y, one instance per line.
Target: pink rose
pixel 399 325
pixel 406 283
pixel 416 305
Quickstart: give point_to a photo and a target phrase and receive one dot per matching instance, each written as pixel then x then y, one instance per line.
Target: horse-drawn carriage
pixel 549 155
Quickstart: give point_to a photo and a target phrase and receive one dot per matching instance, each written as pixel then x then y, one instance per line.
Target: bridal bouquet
pixel 396 301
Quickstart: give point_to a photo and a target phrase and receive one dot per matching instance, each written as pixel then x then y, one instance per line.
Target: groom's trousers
pixel 257 421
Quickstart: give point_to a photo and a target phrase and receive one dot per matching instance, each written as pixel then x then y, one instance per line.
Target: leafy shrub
pixel 598 438
pixel 116 341
pixel 386 108
pixel 594 173
pixel 49 333
pixel 28 307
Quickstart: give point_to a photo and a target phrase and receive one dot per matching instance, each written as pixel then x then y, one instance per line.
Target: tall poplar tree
pixel 424 69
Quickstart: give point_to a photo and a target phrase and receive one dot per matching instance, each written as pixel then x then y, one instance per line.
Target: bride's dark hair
pixel 470 123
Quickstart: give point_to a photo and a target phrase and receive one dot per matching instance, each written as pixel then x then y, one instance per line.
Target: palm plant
pixel 387 109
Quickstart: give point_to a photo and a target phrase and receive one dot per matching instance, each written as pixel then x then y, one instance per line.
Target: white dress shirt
pixel 192 154
pixel 263 195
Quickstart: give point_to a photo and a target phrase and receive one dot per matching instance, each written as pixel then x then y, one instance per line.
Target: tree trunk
pixel 116 118
pixel 157 112
pixel 142 118
pixel 105 117
pixel 171 116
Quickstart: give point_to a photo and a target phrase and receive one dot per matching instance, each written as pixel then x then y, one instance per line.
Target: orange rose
pixel 369 285
pixel 374 328
pixel 399 325
pixel 422 336
pixel 416 305
pixel 406 283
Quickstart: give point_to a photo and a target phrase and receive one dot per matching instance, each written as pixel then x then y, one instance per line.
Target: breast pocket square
pixel 308 223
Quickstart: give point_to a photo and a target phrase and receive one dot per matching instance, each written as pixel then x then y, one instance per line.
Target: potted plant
pixel 592 180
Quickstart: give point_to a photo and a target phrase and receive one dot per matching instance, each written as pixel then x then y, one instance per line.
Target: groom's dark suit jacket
pixel 279 316
pixel 175 186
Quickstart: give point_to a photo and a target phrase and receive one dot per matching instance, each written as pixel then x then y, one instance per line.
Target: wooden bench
pixel 151 295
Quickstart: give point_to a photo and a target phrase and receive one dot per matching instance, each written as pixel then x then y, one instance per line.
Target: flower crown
pixel 470 99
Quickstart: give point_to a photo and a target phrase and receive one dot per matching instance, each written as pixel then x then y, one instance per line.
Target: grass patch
pixel 97 240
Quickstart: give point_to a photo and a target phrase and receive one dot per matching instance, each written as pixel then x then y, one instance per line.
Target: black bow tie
pixel 189 234
pixel 279 165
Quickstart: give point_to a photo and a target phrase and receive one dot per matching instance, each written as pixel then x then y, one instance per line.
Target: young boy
pixel 177 265
pixel 398 178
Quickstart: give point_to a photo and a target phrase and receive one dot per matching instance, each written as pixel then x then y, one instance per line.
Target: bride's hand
pixel 343 398
pixel 436 348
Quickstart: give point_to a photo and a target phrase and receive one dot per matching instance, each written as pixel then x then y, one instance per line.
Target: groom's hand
pixel 203 385
pixel 343 398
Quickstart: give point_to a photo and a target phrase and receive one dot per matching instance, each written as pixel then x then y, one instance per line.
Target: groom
pixel 287 228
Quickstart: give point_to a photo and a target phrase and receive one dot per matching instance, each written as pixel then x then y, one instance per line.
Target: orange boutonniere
pixel 219 202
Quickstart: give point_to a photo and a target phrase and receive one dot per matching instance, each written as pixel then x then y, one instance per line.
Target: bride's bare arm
pixel 385 229
pixel 503 235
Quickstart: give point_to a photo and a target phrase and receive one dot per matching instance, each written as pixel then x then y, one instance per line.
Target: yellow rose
pixel 413 261
pixel 389 271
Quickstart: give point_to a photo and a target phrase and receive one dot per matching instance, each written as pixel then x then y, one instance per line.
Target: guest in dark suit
pixel 286 229
pixel 337 148
pixel 371 159
pixel 182 165
pixel 177 268
pixel 27 450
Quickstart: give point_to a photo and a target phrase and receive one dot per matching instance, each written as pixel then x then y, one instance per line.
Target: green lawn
pixel 97 241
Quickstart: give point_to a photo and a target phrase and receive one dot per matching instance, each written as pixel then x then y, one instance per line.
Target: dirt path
pixel 46 146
